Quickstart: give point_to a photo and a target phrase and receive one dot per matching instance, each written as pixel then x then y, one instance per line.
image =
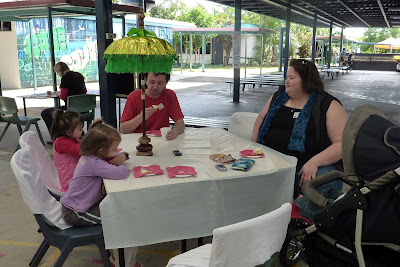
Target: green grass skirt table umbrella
pixel 140 52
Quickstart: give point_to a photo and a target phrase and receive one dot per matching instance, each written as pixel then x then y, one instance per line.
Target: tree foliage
pixel 375 35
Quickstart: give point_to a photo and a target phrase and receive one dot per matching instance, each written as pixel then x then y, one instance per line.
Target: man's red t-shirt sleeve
pixel 175 111
pixel 129 110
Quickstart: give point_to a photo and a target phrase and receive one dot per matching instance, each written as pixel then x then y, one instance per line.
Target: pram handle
pixel 308 188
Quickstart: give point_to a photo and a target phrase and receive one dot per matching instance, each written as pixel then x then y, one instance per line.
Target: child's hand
pixel 118 160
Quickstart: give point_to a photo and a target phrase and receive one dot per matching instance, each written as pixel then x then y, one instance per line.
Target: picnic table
pixel 273 79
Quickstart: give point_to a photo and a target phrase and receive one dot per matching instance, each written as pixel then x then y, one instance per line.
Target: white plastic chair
pixel 242 124
pixel 244 244
pixel 30 141
pixel 47 212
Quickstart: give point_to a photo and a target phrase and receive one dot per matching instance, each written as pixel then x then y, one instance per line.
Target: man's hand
pixel 172 134
pixel 118 160
pixel 148 112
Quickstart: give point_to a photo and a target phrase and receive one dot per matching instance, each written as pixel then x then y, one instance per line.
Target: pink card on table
pixel 181 171
pixel 250 154
pixel 119 149
pixel 140 171
pixel 154 133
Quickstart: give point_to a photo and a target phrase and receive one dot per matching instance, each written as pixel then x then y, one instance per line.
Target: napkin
pixel 154 133
pixel 140 171
pixel 249 153
pixel 181 171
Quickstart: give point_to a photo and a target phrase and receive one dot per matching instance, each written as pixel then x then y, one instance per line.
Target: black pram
pixel 362 227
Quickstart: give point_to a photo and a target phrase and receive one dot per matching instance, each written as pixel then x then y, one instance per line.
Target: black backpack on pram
pixel 362 227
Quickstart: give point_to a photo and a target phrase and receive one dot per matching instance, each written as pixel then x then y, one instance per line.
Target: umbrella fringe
pixel 140 64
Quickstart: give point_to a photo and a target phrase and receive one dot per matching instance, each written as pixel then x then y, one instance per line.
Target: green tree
pixel 202 19
pixel 375 35
pixel 168 9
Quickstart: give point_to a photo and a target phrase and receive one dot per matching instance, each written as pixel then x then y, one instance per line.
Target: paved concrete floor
pixel 200 95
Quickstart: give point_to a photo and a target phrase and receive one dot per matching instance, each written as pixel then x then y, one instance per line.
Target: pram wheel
pixel 291 252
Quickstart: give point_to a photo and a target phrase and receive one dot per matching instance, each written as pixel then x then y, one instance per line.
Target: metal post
pixel 390 51
pixel 341 43
pixel 123 22
pixel 191 51
pixel 374 49
pixel 52 56
pixel 330 46
pixel 351 47
pixel 245 55
pixel 236 69
pixel 281 49
pixel 356 48
pixel 314 38
pixel 322 53
pixel 33 56
pixel 287 40
pixel 107 94
pixel 261 53
pixel 347 44
pixel 180 34
pixel 204 51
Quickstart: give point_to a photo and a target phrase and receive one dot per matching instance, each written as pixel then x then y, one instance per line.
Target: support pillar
pixel 107 93
pixel 236 46
pixel 191 52
pixel 281 49
pixel 180 35
pixel 341 44
pixel 329 46
pixel 314 38
pixel 287 39
pixel 204 51
pixel 52 56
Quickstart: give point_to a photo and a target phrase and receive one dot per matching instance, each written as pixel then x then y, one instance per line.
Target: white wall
pixel 9 70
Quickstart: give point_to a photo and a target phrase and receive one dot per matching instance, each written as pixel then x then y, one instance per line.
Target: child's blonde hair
pixel 98 139
pixel 64 121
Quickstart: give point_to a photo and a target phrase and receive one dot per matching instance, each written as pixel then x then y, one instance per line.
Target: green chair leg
pixel 4 131
pixel 19 129
pixel 39 133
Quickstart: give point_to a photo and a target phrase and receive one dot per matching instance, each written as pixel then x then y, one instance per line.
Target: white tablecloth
pixel 154 209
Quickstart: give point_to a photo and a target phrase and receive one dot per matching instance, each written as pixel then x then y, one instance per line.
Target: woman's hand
pixel 308 172
pixel 118 160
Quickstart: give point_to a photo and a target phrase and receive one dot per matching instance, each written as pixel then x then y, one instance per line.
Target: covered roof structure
pixel 346 13
pixel 30 9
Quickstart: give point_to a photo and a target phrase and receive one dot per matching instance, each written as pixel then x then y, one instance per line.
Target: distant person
pixel 350 59
pixel 156 116
pixel 72 83
pixel 335 56
pixel 342 55
pixel 37 29
pixel 303 121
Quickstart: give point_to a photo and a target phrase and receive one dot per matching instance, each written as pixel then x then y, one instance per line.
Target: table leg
pixel 183 243
pixel 121 257
pixel 23 100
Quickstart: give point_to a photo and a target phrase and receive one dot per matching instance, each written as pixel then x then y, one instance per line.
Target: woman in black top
pixel 303 121
pixel 72 83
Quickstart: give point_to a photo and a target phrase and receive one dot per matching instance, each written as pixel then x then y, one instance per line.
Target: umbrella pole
pixel 143 96
pixel 144 148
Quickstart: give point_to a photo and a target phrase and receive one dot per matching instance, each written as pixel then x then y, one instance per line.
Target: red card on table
pixel 181 171
pixel 154 133
pixel 140 171
pixel 250 154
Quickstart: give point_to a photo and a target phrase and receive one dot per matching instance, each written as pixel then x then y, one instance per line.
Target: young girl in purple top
pixel 81 201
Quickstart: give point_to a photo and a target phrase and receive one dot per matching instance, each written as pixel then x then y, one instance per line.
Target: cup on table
pixel 214 144
pixel 164 131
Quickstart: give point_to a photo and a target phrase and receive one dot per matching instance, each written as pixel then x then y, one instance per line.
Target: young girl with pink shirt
pixel 65 132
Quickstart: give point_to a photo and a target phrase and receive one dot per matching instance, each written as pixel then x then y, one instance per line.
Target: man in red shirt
pixel 161 104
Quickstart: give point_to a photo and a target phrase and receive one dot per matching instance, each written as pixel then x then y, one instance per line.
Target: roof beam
pixel 383 12
pixel 355 14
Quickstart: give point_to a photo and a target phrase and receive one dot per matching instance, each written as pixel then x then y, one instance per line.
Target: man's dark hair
pixel 167 75
pixel 310 78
